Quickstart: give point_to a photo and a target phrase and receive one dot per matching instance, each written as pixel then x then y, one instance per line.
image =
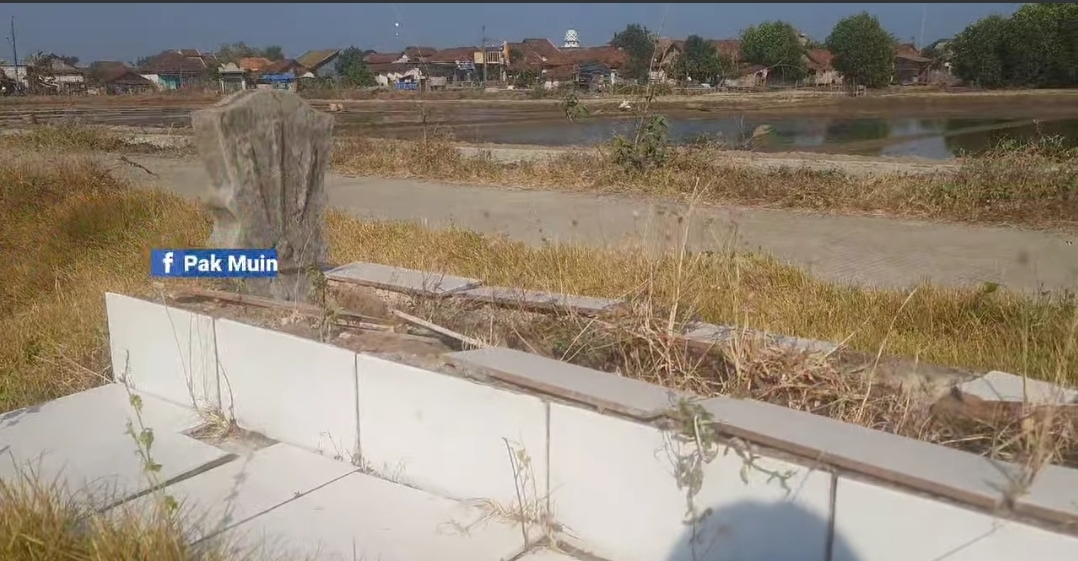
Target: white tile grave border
pixel 607 481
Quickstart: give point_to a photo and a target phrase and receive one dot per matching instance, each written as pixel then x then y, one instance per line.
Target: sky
pixel 93 31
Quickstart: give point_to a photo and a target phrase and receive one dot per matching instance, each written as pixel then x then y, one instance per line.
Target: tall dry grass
pixel 1030 184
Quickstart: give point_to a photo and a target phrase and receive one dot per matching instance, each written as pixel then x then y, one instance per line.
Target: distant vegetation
pixel 1036 47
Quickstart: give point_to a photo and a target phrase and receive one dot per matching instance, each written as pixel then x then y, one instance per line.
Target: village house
pixel 820 70
pixel 231 78
pixel 50 74
pixel 114 78
pixel 320 63
pixel 175 69
pixel 393 69
pixel 455 65
pixel 17 75
pixel 909 66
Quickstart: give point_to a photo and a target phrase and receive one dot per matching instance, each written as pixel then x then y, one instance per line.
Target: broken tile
pixel 1001 386
pixel 410 281
pixel 218 499
pixel 602 390
pixel 82 441
pixel 364 517
pixel 538 300
pixel 710 333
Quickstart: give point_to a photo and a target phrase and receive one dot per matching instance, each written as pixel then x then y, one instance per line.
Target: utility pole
pixel 484 50
pixel 924 13
pixel 14 53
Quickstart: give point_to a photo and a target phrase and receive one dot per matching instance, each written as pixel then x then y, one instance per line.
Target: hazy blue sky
pixel 94 31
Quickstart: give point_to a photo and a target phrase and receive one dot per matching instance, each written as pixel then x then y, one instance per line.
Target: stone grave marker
pixel 266 153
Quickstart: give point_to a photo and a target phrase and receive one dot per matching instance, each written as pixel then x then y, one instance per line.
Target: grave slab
pixel 1001 386
pixel 613 485
pixel 288 388
pixel 449 435
pixel 399 279
pixel 602 390
pixel 363 517
pixel 957 475
pixel 538 300
pixel 81 440
pixel 869 519
pixel 166 352
pixel 213 501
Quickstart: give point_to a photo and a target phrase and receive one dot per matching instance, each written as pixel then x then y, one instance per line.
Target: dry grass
pixel 1033 185
pixel 40 522
pixel 70 232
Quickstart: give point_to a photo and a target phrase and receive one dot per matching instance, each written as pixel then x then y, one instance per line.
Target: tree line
pixel 1036 47
pixel 863 52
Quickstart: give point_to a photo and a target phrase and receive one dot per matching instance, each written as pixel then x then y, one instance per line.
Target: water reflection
pixel 929 138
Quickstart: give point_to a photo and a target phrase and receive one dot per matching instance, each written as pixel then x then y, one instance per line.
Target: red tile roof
pixel 728 47
pixel 820 59
pixel 453 55
pixel 180 61
pixel 286 65
pixel 254 64
pixel 381 58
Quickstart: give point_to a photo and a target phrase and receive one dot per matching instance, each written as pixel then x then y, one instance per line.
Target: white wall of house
pixel 69 79
pixel 10 72
pixel 386 79
pixel 156 79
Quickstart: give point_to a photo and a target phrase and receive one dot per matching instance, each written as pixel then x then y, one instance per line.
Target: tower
pixel 572 40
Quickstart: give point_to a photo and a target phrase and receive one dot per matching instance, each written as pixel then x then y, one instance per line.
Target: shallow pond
pixel 938 138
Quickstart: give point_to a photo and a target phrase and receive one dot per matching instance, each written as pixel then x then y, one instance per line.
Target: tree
pixel 66 59
pixel 700 61
pixel 639 45
pixel 273 52
pixel 235 51
pixel 1044 45
pixel 864 52
pixel 352 70
pixel 980 52
pixel 1037 46
pixel 776 45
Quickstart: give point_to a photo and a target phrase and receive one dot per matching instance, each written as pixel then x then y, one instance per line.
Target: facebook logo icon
pixel 167 260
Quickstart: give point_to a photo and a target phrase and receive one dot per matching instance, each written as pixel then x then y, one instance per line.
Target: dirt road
pixel 864 250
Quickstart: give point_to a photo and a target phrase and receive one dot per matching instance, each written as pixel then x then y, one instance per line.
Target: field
pixel 75 228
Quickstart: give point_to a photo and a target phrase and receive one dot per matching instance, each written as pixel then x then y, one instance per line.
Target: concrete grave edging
pixel 602 478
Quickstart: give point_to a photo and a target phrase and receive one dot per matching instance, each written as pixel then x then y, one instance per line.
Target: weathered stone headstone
pixel 266 152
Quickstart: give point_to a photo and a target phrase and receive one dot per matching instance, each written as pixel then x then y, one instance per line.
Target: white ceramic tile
pixel 602 390
pixel 613 487
pixel 164 351
pixel 250 485
pixel 364 517
pixel 81 441
pixel 290 389
pixel 881 524
pixel 448 435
